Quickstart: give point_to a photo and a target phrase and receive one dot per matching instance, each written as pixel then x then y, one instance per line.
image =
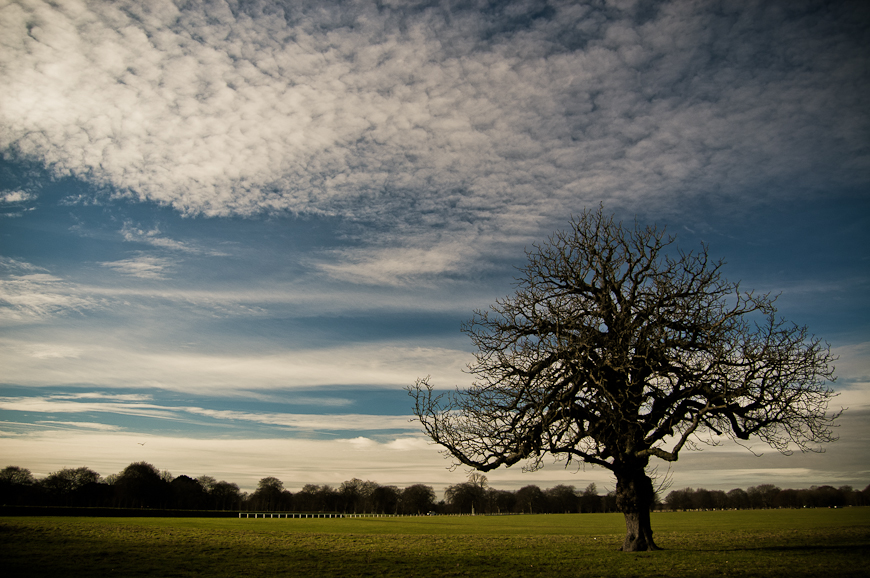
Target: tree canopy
pixel 616 348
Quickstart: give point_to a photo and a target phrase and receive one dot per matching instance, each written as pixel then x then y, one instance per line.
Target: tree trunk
pixel 634 498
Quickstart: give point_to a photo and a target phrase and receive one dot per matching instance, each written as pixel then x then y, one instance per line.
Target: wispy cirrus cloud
pixel 80 425
pixel 313 422
pixel 121 406
pixel 28 292
pixel 155 238
pixel 62 404
pixel 378 364
pixel 141 266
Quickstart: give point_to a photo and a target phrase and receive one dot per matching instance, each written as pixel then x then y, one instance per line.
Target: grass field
pixel 734 543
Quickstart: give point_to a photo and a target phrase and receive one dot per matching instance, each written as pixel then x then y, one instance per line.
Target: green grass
pixel 746 543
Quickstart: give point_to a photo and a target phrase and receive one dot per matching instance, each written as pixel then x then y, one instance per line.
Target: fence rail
pixel 277 515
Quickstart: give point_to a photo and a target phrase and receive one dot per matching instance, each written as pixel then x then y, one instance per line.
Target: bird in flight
pixel 142 444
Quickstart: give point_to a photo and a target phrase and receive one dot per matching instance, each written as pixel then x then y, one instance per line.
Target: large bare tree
pixel 617 348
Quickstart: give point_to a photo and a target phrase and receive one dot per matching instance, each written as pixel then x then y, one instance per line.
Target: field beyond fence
pixel 814 542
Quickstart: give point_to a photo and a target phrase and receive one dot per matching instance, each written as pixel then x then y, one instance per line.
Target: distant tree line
pixel 476 496
pixel 141 485
pixel 767 496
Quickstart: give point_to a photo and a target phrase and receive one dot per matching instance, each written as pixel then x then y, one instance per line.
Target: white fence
pixel 297 515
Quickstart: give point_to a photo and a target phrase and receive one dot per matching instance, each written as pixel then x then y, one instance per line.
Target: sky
pixel 232 232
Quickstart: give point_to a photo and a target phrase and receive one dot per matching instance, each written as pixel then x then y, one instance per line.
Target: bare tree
pixel 616 349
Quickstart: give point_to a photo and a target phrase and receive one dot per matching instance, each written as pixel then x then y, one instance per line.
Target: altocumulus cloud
pixel 439 122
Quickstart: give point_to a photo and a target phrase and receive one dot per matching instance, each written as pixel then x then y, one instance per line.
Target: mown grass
pixel 747 543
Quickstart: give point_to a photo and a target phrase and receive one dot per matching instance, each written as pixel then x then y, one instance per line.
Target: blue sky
pixel 231 232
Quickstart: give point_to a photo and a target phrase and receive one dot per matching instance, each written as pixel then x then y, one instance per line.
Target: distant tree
pixel 719 499
pixel 356 495
pixel 270 484
pixel 17 475
pixel 67 480
pixel 590 501
pixel 851 496
pixel 612 352
pixel 72 486
pixel 385 499
pixel 500 501
pixel 530 499
pixel 187 493
pixel 562 499
pixel 702 499
pixel 418 499
pixel 207 482
pixel 305 499
pixel 17 486
pixel 466 498
pixel 314 498
pixel 139 485
pixel 680 499
pixel 826 497
pixel 269 495
pixel 225 495
pixel 738 499
pixel 790 499
pixel 477 479
pixel 763 496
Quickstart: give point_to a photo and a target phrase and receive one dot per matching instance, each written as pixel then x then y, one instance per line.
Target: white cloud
pixel 853 376
pixel 141 266
pixel 28 292
pixel 395 265
pixel 51 404
pixel 86 425
pixel 312 422
pixel 9 265
pixel 15 197
pixel 117 405
pixel 153 237
pixel 412 119
pixel 853 361
pixel 120 366
pixel 105 396
pixel 41 351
